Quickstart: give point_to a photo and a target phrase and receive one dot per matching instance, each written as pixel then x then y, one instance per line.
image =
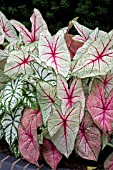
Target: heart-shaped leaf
pixel 43 73
pixel 108 164
pixel 18 62
pixel 7 29
pixel 100 107
pixel 28 141
pixel 63 128
pixel 69 96
pixel 88 140
pixel 47 99
pixel 54 52
pixel 12 94
pixel 38 26
pixel 97 57
pixel 4 79
pixel 51 154
pixel 29 115
pixel 10 124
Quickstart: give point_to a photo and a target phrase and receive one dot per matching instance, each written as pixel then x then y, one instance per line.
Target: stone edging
pixel 11 163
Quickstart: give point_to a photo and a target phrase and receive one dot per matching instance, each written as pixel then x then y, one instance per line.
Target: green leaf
pixel 12 94
pixel 10 124
pixel 3 79
pixel 1 132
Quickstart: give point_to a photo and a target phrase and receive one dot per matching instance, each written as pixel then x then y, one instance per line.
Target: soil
pixel 74 162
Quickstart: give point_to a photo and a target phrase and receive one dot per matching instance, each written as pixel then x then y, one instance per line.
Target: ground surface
pixel 74 162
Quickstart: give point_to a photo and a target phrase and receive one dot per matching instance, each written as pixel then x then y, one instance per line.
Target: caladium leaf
pixel 108 164
pixel 3 79
pixel 1 132
pixel 72 44
pixel 7 29
pixel 51 154
pixel 30 114
pixel 97 57
pixel 88 140
pixel 54 52
pixel 107 80
pixel 69 96
pixel 83 31
pixel 63 128
pixel 18 62
pixel 28 142
pixel 101 108
pixel 29 96
pixel 38 26
pixel 46 95
pixel 10 124
pixel 12 94
pixel 43 73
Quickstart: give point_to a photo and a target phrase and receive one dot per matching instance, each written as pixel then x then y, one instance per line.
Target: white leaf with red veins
pixel 88 140
pixel 51 154
pixel 97 58
pixel 69 96
pixel 7 29
pixel 18 62
pixel 46 94
pixel 108 164
pixel 28 142
pixel 38 26
pixel 83 31
pixel 54 52
pixel 63 128
pixel 101 108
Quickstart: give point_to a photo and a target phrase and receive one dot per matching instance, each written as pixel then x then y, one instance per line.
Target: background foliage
pixel 91 13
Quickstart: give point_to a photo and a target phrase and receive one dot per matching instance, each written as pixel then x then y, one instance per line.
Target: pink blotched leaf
pixel 101 108
pixel 69 96
pixel 88 140
pixel 18 62
pixel 7 29
pixel 107 80
pixel 94 58
pixel 83 31
pixel 63 128
pixel 108 164
pixel 29 115
pixel 28 142
pixel 72 44
pixel 51 154
pixel 38 26
pixel 54 52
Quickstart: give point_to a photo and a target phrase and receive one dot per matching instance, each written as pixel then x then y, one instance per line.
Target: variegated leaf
pixel 12 94
pixel 10 124
pixel 54 52
pixel 63 128
pixel 43 73
pixel 96 58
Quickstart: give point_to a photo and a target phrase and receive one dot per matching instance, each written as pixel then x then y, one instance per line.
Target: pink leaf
pixel 72 44
pixel 51 154
pixel 29 115
pixel 88 141
pixel 70 96
pixel 101 108
pixel 54 52
pixel 38 26
pixel 28 142
pixel 108 164
pixel 63 128
pixel 7 28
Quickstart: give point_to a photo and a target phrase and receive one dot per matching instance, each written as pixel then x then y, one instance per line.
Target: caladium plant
pixel 56 91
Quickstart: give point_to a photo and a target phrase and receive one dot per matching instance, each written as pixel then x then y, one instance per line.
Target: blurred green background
pixel 57 14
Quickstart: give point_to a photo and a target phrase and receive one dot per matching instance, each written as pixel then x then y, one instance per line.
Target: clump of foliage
pixel 56 92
